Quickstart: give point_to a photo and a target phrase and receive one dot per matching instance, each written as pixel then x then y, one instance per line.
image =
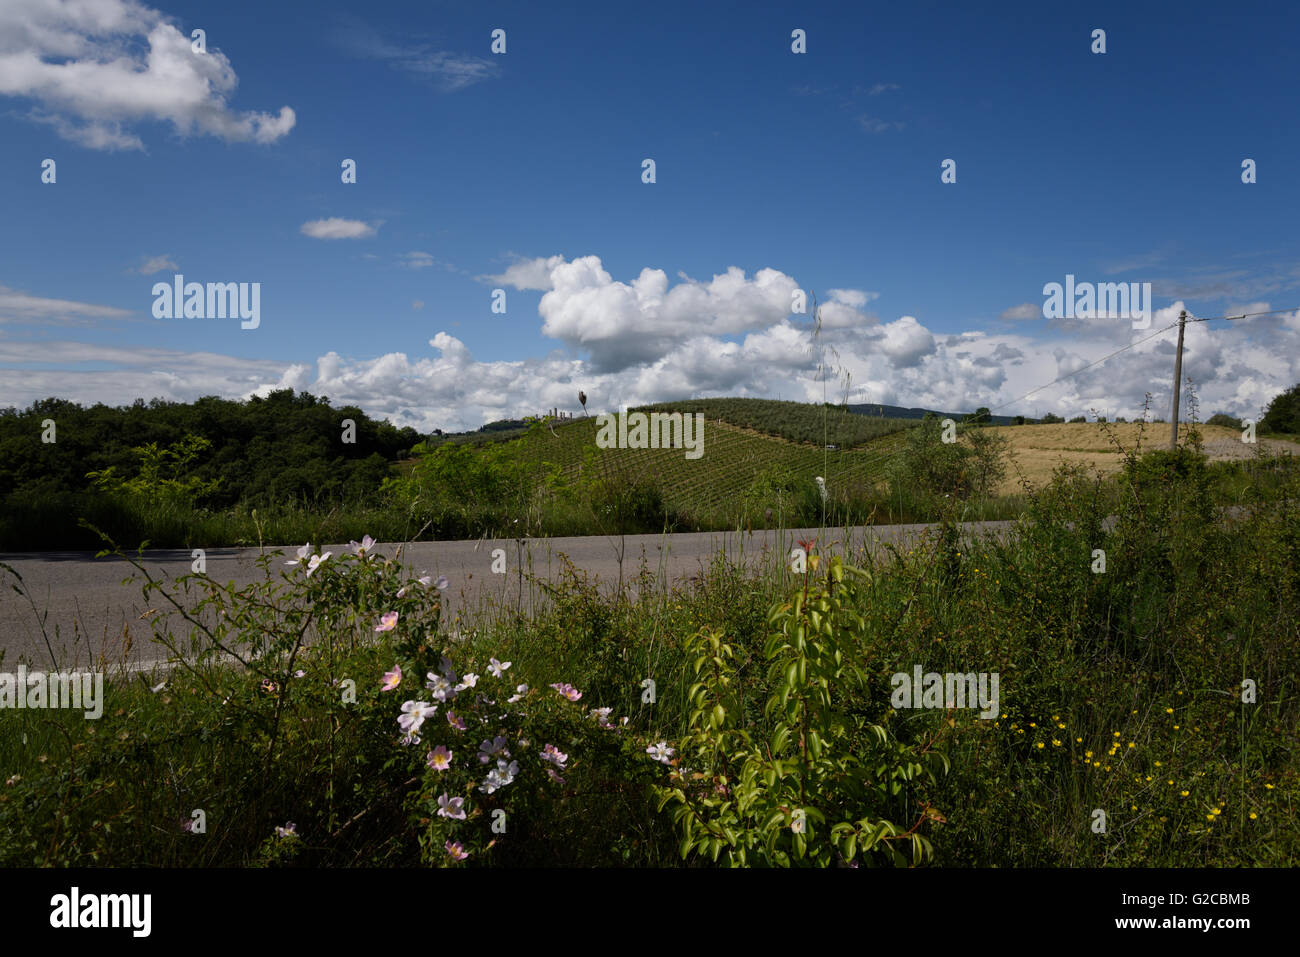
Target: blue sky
pixel 523 172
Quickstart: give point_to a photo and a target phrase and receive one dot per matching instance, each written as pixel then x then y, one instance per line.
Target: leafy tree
pixel 928 463
pixel 987 466
pixel 1283 413
pixel 1220 418
pixel 163 473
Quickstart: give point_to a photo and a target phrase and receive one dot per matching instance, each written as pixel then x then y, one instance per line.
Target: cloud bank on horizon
pixel 651 341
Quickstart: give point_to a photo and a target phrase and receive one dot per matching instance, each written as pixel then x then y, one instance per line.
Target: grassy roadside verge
pixel 1160 691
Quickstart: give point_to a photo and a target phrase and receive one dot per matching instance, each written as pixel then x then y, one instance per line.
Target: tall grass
pixel 1121 692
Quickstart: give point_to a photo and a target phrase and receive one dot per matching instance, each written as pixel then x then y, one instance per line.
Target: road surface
pixel 87 611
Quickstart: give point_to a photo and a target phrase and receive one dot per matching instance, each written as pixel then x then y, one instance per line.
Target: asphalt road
pixel 79 605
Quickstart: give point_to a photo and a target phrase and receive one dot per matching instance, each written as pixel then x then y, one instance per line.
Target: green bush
pixel 929 469
pixel 816 788
pixel 1283 413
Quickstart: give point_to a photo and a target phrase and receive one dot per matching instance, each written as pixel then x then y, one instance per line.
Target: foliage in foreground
pixel 811 793
pixel 1126 646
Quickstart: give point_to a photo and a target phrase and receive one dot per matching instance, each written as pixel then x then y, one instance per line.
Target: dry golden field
pixel 1037 449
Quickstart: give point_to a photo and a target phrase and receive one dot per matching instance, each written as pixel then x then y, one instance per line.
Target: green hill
pixel 793 421
pixel 757 454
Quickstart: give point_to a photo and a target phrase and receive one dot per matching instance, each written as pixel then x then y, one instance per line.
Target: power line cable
pixel 1245 315
pixel 1172 325
pixel 1088 366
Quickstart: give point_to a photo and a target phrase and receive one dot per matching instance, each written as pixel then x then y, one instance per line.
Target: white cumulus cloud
pixel 156 264
pixel 335 228
pixel 93 68
pixel 626 323
pixel 527 273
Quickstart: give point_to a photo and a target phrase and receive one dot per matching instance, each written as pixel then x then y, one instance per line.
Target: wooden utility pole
pixel 1178 380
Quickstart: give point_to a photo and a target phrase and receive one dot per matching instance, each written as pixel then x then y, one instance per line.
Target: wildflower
pixel 602 716
pixel 1169 710
pixel 1253 815
pixel 456 850
pixel 401 592
pixel 364 546
pixel 409 739
pixel 469 681
pixel 798 824
pixel 387 622
pixel 453 807
pixel 554 755
pixel 520 691
pixel 660 752
pixel 1041 745
pixel 425 580
pixel 1184 793
pixel 289 830
pixel 455 721
pixel 302 555
pixel 300 673
pixel 269 686
pixel 439 687
pixel 13 779
pixel 550 773
pixel 187 825
pixel 488 749
pixel 413 715
pixel 441 583
pixel 566 689
pixel 440 758
pixel 444 665
pixel 500 776
pixel 156 688
pixel 392 679
pixel 316 562
pixel 498 668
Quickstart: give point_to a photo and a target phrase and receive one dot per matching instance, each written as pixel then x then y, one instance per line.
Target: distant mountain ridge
pixel 898 412
pixel 794 421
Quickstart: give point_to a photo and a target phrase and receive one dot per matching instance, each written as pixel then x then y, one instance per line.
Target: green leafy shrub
pixel 817 787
